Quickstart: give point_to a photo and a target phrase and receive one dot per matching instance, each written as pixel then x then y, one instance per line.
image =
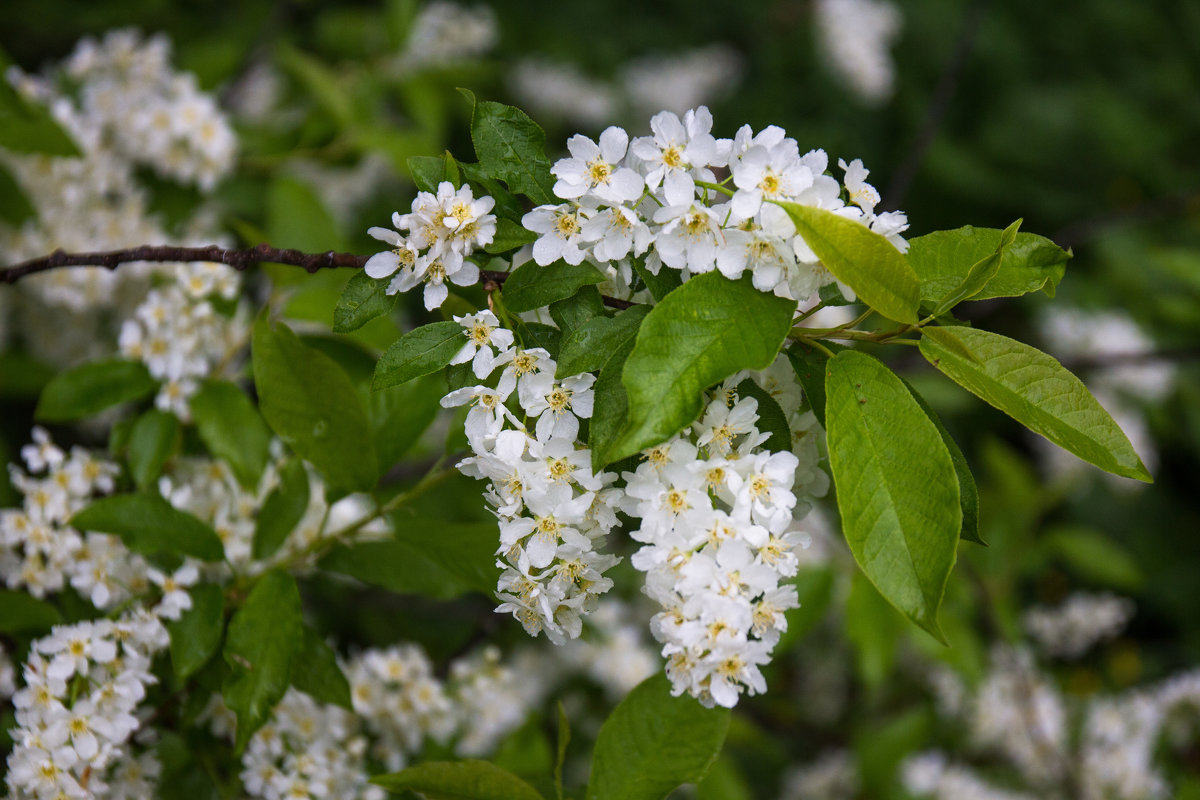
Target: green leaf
pixel 149 524
pixel 509 236
pixel 531 286
pixel 297 218
pixel 589 346
pixel 810 364
pixel 700 334
pixel 979 275
pixel 653 742
pixel 943 259
pixel 771 418
pixel 363 299
pixel 427 172
pixel 968 492
pixel 282 510
pixel 1094 557
pixel 152 440
pixel 22 376
pixel 27 127
pixel 321 82
pixel 458 780
pixel 512 147
pixel 429 557
pixel 660 285
pixel 574 311
pixel 15 206
pixel 862 259
pixel 609 406
pixel 196 635
pixel 90 388
pixel 873 628
pixel 537 334
pixel 400 414
pixel 232 429
pixel 1035 390
pixel 21 613
pixel 419 352
pixel 310 402
pixel 897 490
pixel 264 637
pixel 316 672
pixel 880 747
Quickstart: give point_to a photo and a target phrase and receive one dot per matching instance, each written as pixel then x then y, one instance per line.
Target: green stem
pixel 716 187
pixel 820 347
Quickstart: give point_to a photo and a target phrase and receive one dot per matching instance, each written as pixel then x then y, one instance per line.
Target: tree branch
pixel 238 259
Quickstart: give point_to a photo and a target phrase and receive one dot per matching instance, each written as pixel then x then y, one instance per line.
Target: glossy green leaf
pixel 588 347
pixel 809 364
pixel 660 285
pixel 22 613
pixel 196 635
pixel 943 259
pixel 149 524
pixel 512 147
pixel 400 414
pixel 419 352
pixel 310 402
pixel 609 406
pixel 979 275
pixel 700 334
pixel 1035 390
pixel 531 286
pixel 897 490
pixel 509 236
pixel 429 171
pixel 90 388
pixel 652 743
pixel 458 780
pixel 232 429
pixel 29 127
pixel 265 635
pixel 282 510
pixel 152 440
pixel 860 258
pixel 363 299
pixel 316 672
pixel 771 418
pixel 577 310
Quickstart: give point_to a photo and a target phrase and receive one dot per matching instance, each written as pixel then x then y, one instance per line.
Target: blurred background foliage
pixel 1083 118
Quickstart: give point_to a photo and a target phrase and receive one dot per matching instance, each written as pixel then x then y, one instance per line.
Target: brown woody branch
pixel 238 259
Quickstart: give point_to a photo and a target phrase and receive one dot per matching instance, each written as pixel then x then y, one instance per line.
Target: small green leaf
pixel 15 206
pixel 771 418
pixel 196 635
pixel 589 346
pixel 897 490
pixel 531 286
pixel 860 258
pixel 310 402
pixel 1035 390
pixel 400 414
pixel 512 147
pixel 660 285
pixel 21 613
pixel 27 127
pixel 979 275
pixel 943 259
pixel 701 333
pixel 968 492
pixel 297 218
pixel 810 365
pixel 265 635
pixel 282 510
pixel 509 236
pixel 149 524
pixel 578 309
pixel 316 672
pixel 90 388
pixel 152 440
pixel 232 429
pixel 427 172
pixel 419 352
pixel 320 81
pixel 653 743
pixel 609 406
pixel 363 299
pixel 1094 557
pixel 458 780
pixel 537 334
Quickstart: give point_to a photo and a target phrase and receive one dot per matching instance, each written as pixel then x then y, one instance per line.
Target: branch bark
pixel 238 259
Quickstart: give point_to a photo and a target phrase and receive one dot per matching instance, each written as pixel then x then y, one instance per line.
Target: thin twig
pixel 238 259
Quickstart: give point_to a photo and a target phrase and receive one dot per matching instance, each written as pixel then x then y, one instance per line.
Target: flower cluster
pixel 716 521
pixel 181 337
pixel 854 37
pixel 1071 629
pixel 554 511
pixel 75 713
pixel 308 749
pixel 445 33
pixel 443 229
pixel 655 198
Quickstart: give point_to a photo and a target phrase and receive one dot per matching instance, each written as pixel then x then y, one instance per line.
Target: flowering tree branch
pixel 238 259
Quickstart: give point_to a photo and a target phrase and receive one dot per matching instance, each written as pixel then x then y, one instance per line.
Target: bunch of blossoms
pixel 554 512
pixel 75 713
pixel 182 338
pixel 307 749
pixel 716 522
pixel 656 199
pixel 1071 629
pixel 445 33
pixel 854 37
pixel 443 230
pixel 493 698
